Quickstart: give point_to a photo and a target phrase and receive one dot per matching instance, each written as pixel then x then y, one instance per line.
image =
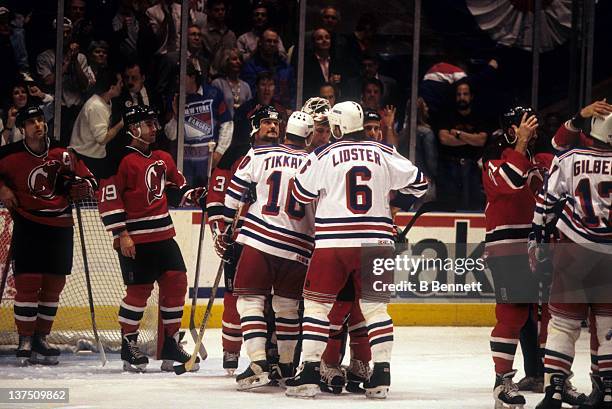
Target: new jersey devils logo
pixel 155 179
pixel 42 178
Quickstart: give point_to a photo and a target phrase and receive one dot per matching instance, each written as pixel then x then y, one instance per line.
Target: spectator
pixel 319 65
pixel 371 98
pixel 267 59
pixel 371 124
pixel 247 42
pixel 92 130
pixel 82 27
pixel 462 134
pixel 165 22
pixel 78 78
pixel 125 31
pixel 216 35
pixel 97 56
pixel 330 20
pixel 426 154
pixel 369 69
pixel 360 42
pixel 196 53
pixel 8 68
pixel 264 95
pixel 207 119
pixel 235 91
pixel 18 40
pixel 24 94
pixel 328 91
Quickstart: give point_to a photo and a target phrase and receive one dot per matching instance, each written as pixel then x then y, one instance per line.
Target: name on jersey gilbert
pixel 593 166
pixel 354 154
pixel 282 161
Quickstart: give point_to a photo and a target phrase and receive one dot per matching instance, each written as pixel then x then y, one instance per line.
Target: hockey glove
pixel 79 188
pixel 540 258
pixel 222 238
pixel 195 197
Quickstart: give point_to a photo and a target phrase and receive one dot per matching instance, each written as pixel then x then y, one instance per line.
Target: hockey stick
pixel 196 280
pixel 433 206
pixel 187 366
pixel 102 354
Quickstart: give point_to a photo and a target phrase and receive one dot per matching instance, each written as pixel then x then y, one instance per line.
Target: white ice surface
pixel 443 367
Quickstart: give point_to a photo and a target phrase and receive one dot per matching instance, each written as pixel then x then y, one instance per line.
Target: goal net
pixel 72 329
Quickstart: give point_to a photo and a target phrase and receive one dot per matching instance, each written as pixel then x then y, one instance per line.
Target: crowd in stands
pixel 128 53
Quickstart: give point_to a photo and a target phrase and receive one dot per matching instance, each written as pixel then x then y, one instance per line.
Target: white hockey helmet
pixel 601 128
pixel 347 116
pixel 300 124
pixel 317 107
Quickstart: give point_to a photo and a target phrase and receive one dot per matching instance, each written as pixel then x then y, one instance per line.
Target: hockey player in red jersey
pixel 352 181
pixel 133 205
pixel 37 180
pixel 577 202
pixel 512 176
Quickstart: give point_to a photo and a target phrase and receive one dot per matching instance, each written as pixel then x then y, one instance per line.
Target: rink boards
pixel 406 308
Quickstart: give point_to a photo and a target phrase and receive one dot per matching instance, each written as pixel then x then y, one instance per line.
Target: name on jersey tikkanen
pixel 593 166
pixel 282 161
pixel 353 154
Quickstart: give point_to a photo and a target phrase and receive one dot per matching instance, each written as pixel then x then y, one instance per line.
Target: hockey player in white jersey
pixel 352 180
pixel 578 201
pixel 277 235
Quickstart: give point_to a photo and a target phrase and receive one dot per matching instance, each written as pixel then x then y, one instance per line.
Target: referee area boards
pixel 406 310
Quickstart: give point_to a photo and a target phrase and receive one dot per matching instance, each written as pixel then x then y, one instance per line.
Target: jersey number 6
pixel 358 196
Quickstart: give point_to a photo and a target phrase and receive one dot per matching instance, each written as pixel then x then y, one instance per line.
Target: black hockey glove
pixel 540 258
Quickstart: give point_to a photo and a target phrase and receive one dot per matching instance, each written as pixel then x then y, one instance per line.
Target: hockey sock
pixel 48 300
pixel 26 302
pixel 594 343
pixel 315 330
pixel 505 335
pixel 133 306
pixel 287 327
pixel 172 290
pixel 359 344
pixel 333 349
pixel 604 351
pixel 543 334
pixel 560 346
pixel 529 343
pixel 231 337
pixel 380 330
pixel 253 325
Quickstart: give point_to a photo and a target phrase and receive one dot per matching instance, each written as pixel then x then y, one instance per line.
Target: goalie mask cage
pixel 72 329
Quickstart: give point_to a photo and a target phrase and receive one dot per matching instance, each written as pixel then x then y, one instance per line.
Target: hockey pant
pixel 36 302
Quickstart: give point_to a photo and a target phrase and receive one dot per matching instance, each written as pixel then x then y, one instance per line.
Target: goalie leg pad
pixel 287 327
pixel 231 337
pixel 26 302
pixel 172 290
pixel 315 330
pixel 380 330
pixel 563 333
pixel 253 325
pixel 48 300
pixel 132 307
pixel 604 352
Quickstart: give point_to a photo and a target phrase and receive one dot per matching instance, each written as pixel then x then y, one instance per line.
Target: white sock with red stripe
pixel 604 352
pixel 287 327
pixel 560 346
pixel 315 330
pixel 380 330
pixel 253 323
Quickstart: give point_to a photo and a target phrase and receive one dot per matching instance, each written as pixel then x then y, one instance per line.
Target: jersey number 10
pixel 293 208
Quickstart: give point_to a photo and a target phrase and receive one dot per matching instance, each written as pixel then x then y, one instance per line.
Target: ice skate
pixel 377 386
pixel 173 351
pixel 279 373
pixel 596 396
pixel 356 374
pixel 333 378
pixel 24 350
pixel 506 393
pixel 256 375
pixel 554 393
pixel 533 384
pixel 306 383
pixel 606 401
pixel 42 352
pixel 230 362
pixel 571 395
pixel 133 359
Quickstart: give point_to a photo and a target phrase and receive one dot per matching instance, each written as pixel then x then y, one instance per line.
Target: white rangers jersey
pixel 275 223
pixel 352 182
pixel 579 190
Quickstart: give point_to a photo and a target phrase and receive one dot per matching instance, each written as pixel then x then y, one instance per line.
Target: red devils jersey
pixel 37 181
pixel 568 137
pixel 511 184
pixel 136 196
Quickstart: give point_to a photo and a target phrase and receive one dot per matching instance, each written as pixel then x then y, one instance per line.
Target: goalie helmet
pixel 513 117
pixel 317 107
pixel 344 118
pixel 601 128
pixel 28 112
pixel 265 112
pixel 300 124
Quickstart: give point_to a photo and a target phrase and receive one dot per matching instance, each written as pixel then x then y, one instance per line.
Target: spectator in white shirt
pixel 92 130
